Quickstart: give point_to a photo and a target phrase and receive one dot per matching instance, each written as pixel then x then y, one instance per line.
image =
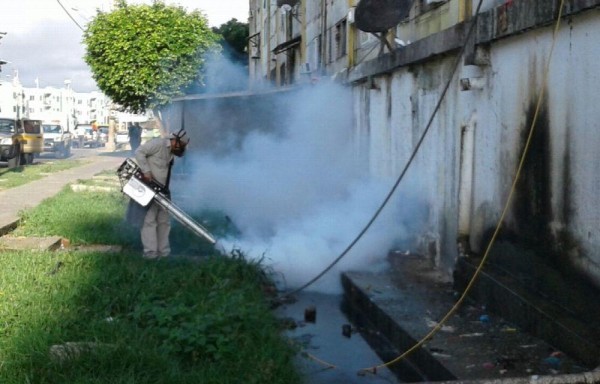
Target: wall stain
pixel 532 207
pixel 528 248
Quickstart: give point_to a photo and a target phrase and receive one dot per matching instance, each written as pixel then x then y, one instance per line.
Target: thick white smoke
pixel 299 196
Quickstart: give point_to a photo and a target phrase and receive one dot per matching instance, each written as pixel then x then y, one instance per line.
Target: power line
pixel 68 14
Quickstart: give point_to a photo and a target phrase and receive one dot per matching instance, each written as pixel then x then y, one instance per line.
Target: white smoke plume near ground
pixel 301 195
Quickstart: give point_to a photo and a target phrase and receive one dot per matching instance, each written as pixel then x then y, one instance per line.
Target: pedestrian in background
pixel 80 134
pixel 135 136
pixel 155 159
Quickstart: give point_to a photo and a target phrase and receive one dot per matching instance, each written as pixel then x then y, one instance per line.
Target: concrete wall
pixel 555 204
pixel 392 114
pixel 560 166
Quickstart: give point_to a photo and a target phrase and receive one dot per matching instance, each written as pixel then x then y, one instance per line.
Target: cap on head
pixel 179 142
pixel 180 136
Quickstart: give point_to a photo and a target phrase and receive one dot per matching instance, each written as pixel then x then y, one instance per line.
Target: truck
pixel 20 140
pixel 57 138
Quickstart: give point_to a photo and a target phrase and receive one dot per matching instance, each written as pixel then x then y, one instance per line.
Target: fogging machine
pixel 143 193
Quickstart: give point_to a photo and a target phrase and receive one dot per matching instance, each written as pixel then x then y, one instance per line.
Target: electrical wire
pixel 477 272
pixel 452 311
pixel 406 166
pixel 69 14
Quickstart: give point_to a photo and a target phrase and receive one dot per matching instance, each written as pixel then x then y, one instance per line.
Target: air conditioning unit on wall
pixel 350 16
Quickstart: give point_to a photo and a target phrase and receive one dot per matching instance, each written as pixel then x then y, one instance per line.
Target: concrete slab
pixel 51 243
pixel 8 222
pixel 21 243
pixel 404 304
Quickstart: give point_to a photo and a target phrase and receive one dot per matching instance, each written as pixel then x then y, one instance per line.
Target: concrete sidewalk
pixel 29 195
pixel 403 303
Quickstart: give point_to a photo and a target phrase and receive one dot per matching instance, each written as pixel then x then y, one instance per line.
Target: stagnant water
pixel 331 349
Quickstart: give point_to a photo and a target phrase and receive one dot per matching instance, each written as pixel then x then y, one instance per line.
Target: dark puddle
pixel 332 350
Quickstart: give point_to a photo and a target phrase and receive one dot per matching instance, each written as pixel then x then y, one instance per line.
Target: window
pixel 7 126
pixel 32 126
pixel 329 47
pixel 318 53
pixel 340 39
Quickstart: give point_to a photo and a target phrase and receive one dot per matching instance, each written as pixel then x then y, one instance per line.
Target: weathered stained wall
pixel 392 113
pixel 555 207
pixel 555 201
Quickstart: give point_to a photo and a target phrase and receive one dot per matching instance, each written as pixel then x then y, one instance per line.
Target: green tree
pixel 234 40
pixel 142 56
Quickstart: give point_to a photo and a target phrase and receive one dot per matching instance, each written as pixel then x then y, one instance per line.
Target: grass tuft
pixel 14 177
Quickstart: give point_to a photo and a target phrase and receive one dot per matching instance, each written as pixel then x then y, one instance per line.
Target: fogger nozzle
pixel 183 218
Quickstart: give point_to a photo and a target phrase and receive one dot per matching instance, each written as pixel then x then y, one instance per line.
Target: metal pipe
pixel 183 218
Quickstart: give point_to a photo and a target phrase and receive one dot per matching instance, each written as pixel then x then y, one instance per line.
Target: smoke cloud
pixel 300 194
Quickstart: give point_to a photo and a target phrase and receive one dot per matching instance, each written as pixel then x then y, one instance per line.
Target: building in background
pixel 2 62
pixel 12 98
pixel 64 104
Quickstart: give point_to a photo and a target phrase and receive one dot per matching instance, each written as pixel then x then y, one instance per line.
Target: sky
pixel 43 41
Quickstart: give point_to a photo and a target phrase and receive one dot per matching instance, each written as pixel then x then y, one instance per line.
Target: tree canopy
pixel 142 56
pixel 234 40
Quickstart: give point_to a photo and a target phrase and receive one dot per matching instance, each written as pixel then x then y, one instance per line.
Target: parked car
pixel 57 139
pixel 20 140
pixel 90 138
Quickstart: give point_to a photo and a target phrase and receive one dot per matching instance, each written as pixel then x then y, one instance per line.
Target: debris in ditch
pixel 506 362
pixel 444 328
pixel 310 314
pixel 278 301
pixel 484 319
pixel 65 243
pixel 476 334
pixel 489 365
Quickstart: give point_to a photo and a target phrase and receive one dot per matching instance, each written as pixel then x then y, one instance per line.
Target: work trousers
pixel 155 232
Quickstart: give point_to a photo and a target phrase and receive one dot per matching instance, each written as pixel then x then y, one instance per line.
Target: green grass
pixel 202 319
pixel 14 177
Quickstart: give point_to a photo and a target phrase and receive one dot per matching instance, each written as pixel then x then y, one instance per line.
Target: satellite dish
pixel 285 8
pixel 381 15
pixel 291 3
